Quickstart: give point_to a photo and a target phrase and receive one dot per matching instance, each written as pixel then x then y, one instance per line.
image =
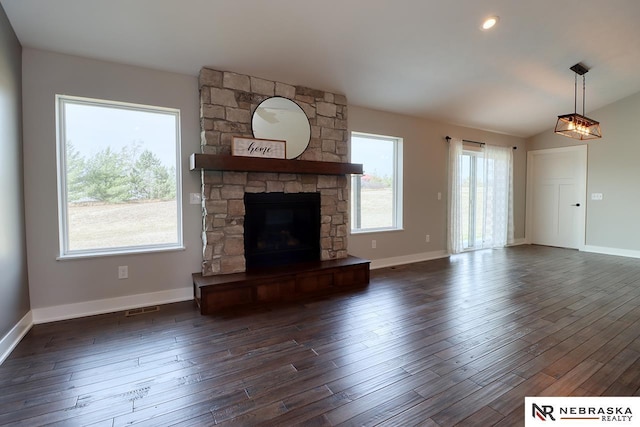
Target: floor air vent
pixel 143 310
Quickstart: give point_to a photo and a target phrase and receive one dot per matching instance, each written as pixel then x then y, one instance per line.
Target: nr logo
pixel 542 412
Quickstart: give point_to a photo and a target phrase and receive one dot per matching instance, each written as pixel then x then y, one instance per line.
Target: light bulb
pixel 489 22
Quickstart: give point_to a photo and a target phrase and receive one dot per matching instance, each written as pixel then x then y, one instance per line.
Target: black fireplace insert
pixel 281 229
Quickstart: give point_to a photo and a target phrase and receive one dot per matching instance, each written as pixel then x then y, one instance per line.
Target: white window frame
pixel 397 213
pixel 61 166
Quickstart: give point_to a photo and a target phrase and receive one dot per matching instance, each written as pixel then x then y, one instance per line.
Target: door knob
pixel 577 204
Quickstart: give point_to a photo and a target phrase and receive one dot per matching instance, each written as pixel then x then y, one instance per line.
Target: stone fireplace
pixel 227 101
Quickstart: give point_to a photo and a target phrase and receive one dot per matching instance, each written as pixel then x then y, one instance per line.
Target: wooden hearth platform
pixel 218 293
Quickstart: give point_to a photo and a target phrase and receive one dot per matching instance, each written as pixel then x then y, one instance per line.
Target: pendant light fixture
pixel 575 125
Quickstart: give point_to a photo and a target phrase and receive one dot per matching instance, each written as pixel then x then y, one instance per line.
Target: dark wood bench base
pixel 218 293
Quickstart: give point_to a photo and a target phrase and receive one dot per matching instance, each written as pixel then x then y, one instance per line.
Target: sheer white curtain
pixel 454 237
pixel 498 196
pixel 493 201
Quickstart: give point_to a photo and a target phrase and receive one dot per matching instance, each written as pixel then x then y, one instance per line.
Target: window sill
pixel 374 231
pixel 85 255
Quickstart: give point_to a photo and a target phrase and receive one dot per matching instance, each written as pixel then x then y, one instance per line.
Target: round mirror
pixel 281 118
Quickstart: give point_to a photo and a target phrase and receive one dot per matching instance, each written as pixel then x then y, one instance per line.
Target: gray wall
pixel 613 169
pixel 14 286
pixel 425 174
pixel 52 282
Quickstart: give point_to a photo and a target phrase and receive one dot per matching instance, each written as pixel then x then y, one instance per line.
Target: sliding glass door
pixel 472 199
pixel 480 197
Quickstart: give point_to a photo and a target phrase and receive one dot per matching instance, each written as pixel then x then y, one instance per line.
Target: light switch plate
pixel 194 198
pixel 596 196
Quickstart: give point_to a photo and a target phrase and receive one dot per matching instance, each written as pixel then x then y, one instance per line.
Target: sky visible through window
pixel 376 155
pixel 90 128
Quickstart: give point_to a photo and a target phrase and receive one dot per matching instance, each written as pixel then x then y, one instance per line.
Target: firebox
pixel 281 229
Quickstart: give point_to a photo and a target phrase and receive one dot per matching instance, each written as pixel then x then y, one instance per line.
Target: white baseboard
pixel 518 242
pixel 110 305
pixel 612 251
pixel 407 259
pixel 11 340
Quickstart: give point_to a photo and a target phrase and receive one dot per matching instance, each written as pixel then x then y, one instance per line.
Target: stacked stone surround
pixel 227 102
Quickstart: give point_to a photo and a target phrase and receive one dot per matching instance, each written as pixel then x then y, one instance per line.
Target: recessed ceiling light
pixel 489 22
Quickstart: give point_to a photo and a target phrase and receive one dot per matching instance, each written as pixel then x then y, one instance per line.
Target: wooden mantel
pixel 258 164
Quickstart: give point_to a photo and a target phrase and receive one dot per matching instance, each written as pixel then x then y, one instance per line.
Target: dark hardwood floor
pixel 457 341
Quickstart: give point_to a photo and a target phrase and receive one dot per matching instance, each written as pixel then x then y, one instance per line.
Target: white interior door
pixel 556 196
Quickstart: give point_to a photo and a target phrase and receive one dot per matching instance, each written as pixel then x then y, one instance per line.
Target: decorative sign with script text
pixel 254 147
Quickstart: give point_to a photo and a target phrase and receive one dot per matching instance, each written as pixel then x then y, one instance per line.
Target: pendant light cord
pixel 575 93
pixel 583 92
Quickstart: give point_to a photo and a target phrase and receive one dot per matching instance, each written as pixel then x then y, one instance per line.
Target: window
pixel 376 196
pixel 118 177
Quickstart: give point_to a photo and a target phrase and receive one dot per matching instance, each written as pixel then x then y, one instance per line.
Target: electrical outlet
pixel 373 244
pixel 123 272
pixel 439 195
pixel 427 238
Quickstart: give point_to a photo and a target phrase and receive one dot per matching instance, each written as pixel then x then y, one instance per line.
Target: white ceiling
pixel 425 58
